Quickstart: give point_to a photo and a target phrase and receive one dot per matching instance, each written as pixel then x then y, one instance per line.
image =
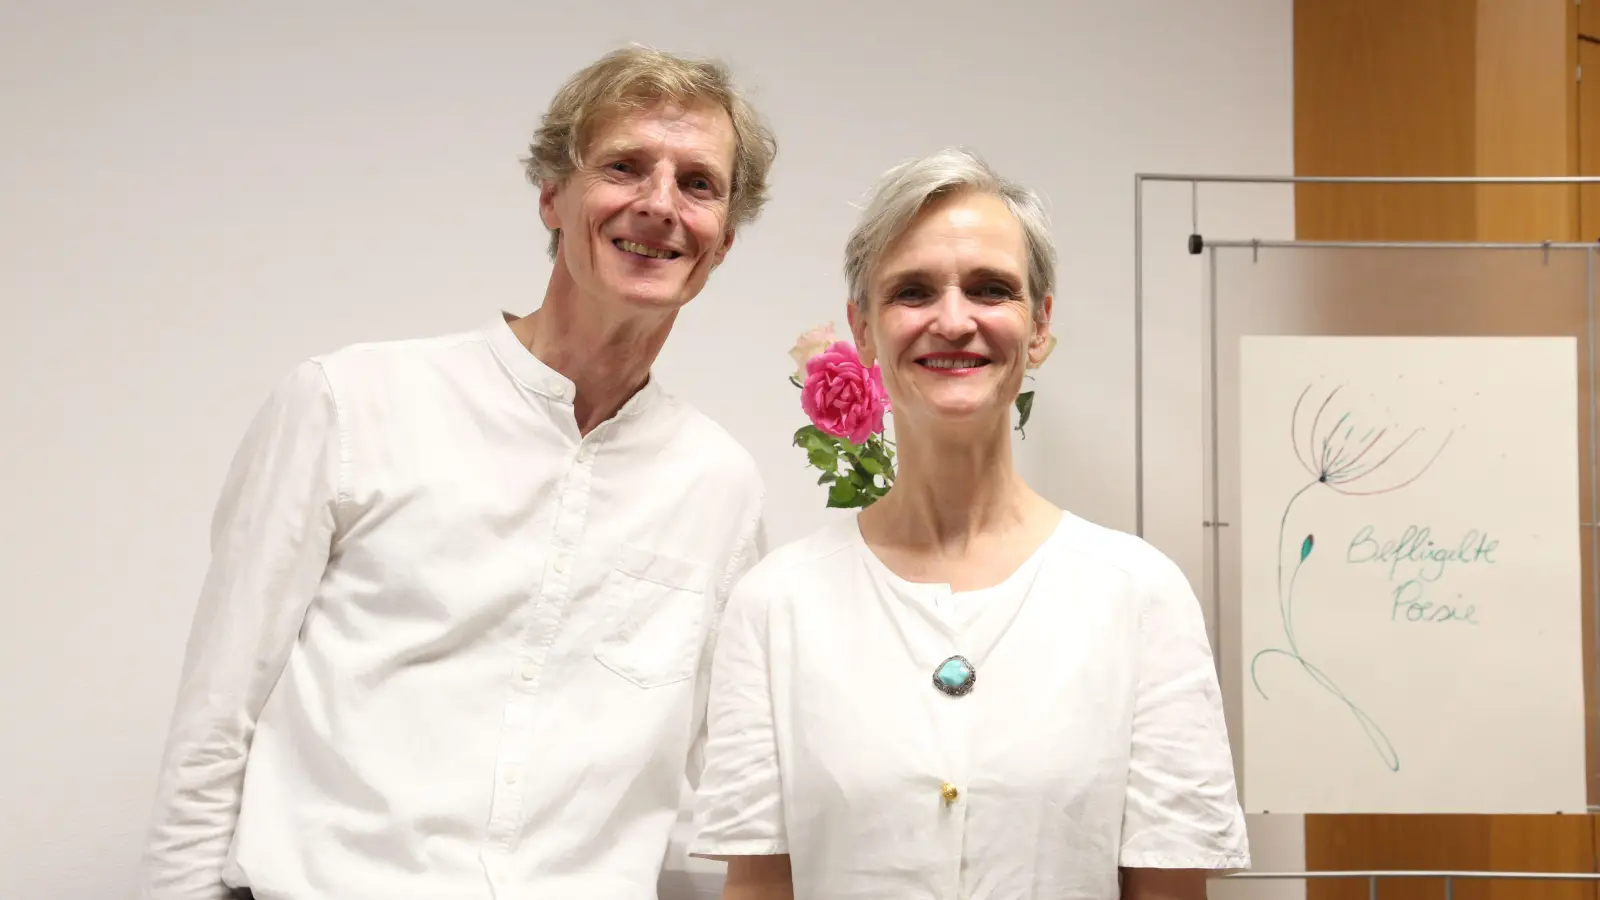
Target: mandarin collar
pixel 532 374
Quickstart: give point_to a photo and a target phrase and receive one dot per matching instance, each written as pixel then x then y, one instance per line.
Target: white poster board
pixel 1411 594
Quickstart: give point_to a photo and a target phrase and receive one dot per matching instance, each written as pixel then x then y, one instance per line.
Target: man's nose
pixel 661 194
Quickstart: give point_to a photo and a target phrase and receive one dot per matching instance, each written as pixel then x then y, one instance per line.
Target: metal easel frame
pixel 1449 878
pixel 1198 244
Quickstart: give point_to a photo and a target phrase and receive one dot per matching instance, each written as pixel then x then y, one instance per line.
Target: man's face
pixel 645 218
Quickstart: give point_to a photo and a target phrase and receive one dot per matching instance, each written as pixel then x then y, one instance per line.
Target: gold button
pixel 949 793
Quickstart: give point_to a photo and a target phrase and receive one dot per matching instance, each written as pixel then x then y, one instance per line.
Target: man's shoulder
pixel 713 445
pixel 380 373
pixel 341 375
pixel 399 352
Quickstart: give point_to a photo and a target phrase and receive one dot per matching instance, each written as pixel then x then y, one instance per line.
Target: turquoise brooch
pixel 955 676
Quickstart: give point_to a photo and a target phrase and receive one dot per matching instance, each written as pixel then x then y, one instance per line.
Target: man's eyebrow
pixel 616 146
pixel 706 162
pixel 695 160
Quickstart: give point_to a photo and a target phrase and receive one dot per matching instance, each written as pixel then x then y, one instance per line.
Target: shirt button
pixel 949 793
pixel 529 671
pixel 561 564
pixel 512 774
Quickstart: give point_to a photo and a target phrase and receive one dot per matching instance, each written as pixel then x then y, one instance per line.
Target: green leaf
pixel 810 433
pixel 842 494
pixel 1305 547
pixel 823 458
pixel 827 478
pixel 878 461
pixel 1024 410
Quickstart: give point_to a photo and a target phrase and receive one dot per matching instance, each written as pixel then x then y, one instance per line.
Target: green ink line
pixel 1342 460
pixel 1375 735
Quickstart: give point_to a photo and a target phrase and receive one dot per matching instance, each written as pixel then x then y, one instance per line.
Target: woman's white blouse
pixel 1092 738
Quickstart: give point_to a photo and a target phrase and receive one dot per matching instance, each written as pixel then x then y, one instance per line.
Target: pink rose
pixel 844 398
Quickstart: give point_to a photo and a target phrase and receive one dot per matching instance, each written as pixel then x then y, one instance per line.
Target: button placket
pixel 954 725
pixel 547 610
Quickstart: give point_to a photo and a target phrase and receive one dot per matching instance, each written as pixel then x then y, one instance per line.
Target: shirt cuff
pixel 1231 861
pixel 718 849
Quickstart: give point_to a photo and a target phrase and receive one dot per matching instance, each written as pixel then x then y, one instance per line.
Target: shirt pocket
pixel 655 609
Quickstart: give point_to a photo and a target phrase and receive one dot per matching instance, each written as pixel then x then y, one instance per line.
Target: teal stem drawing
pixel 1375 734
pixel 1335 458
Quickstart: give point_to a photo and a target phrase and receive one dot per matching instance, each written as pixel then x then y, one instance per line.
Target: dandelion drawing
pixel 1345 456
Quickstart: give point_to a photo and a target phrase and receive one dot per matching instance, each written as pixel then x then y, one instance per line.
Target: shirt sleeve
pixel 738 809
pixel 1181 809
pixel 751 546
pixel 270 538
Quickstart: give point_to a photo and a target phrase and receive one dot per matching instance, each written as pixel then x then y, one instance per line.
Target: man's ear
pixel 547 205
pixel 722 251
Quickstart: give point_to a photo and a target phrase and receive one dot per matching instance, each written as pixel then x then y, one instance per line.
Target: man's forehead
pixel 703 132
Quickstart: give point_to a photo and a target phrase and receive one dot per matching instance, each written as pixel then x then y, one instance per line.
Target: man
pixel 454 639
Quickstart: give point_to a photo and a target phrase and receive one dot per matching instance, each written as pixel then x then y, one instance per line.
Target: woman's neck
pixel 951 493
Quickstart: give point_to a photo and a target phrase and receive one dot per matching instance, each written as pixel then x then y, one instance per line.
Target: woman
pixel 963 691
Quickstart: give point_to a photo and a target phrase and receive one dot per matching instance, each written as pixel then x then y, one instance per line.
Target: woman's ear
pixel 1043 340
pixel 860 333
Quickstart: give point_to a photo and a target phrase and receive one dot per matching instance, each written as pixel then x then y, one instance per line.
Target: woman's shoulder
pixel 805 564
pixel 1137 559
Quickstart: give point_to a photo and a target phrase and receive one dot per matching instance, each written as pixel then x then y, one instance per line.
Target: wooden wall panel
pixel 1526 120
pixel 1383 87
pixel 1451 87
pixel 1588 137
pixel 1588 18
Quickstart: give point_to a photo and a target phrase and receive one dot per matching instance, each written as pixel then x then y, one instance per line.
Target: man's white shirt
pixel 446 646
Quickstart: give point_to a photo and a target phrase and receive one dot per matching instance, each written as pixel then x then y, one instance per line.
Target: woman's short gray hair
pixel 904 190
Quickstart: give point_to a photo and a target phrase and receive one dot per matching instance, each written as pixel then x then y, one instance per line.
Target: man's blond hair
pixel 638 77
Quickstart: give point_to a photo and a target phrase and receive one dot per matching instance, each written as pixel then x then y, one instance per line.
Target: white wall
pixel 193 196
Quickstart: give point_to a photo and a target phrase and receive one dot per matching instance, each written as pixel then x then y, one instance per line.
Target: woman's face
pixel 947 316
